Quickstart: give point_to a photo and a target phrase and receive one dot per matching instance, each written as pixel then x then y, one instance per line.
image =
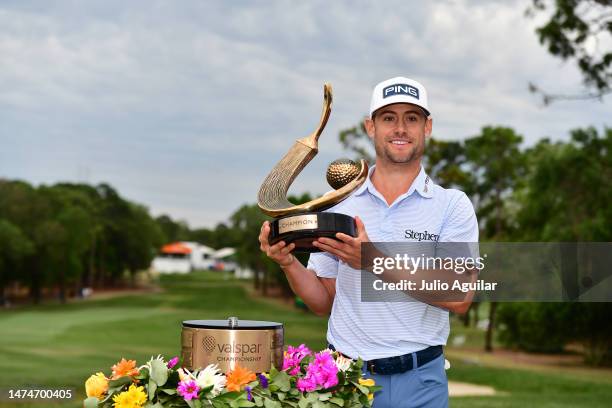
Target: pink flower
pixel 306 384
pixel 293 357
pixel 188 389
pixel 173 362
pixel 322 372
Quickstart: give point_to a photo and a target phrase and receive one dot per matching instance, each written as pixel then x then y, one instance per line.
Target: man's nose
pixel 400 128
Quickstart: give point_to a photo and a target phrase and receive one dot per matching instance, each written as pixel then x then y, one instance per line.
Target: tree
pixel 578 30
pixel 15 247
pixel 496 166
pixel 566 197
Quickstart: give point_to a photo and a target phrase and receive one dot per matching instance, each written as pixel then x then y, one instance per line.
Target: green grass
pixel 61 345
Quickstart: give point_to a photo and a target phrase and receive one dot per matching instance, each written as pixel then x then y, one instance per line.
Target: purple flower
pixel 172 363
pixel 322 372
pixel 188 389
pixel 248 390
pixel 263 380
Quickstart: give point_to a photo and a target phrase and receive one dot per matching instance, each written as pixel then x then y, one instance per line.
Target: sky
pixel 185 106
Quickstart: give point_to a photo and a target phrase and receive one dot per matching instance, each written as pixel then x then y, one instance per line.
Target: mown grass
pixel 59 346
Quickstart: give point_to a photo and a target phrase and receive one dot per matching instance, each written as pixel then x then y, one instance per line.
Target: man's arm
pixel 318 293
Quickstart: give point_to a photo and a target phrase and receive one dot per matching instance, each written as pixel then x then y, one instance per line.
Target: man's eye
pixel 388 118
pixel 413 118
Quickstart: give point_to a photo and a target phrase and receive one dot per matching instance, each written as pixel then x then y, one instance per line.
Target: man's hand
pixel 279 252
pixel 348 249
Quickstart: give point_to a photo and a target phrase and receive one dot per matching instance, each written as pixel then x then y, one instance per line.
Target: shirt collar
pixel 423 184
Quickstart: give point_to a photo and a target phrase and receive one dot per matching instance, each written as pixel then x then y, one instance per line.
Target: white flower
pixel 185 375
pixel 446 364
pixel 343 363
pixel 211 376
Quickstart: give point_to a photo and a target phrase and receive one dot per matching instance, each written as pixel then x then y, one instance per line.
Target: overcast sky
pixel 185 106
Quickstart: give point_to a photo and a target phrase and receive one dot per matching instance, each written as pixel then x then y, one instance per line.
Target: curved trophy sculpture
pixel 303 223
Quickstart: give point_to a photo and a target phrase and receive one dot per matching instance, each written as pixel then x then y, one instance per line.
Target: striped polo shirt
pixel 372 330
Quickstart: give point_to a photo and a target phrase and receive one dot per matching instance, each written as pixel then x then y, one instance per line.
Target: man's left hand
pixel 347 249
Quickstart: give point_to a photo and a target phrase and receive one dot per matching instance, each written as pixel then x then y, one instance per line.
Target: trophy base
pixel 302 229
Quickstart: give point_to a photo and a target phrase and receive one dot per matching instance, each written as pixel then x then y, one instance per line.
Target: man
pixel 401 343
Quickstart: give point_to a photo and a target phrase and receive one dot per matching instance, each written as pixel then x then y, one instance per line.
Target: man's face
pixel 399 132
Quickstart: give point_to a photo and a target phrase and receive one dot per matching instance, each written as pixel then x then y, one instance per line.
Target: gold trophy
pixel 303 223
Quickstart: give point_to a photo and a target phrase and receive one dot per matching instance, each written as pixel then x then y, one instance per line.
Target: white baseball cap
pixel 399 90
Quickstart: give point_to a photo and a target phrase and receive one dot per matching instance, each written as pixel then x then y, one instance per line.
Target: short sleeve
pixel 324 265
pixel 460 226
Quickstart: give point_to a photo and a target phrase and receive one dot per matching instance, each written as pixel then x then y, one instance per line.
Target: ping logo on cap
pixel 401 89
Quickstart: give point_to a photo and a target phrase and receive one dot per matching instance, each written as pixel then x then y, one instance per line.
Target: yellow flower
pixel 96 385
pixel 134 397
pixel 368 383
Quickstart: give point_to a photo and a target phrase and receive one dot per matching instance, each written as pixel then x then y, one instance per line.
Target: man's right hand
pixel 279 252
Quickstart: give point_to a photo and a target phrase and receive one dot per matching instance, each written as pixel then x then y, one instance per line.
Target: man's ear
pixel 369 127
pixel 428 127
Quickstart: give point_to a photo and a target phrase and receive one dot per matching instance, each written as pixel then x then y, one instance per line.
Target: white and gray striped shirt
pixel 372 330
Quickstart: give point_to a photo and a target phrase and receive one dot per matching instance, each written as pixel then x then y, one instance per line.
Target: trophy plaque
pixel 252 344
pixel 303 223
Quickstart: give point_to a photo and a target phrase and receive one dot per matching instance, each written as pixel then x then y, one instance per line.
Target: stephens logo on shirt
pixel 421 236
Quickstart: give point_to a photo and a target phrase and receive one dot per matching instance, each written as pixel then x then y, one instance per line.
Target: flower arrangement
pixel 307 379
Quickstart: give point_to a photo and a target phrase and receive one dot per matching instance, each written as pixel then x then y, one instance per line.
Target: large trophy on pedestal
pixel 303 223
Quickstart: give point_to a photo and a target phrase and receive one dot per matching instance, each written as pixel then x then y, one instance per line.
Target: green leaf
pixel 159 372
pixel 91 402
pixel 362 388
pixel 119 382
pixel 337 401
pixel 312 396
pixel 325 396
pixel 272 404
pixel 282 381
pixel 151 389
pixel 169 391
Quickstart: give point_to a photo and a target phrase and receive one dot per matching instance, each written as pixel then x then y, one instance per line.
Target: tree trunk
pixel 493 305
pixel 489 335
pixel 466 317
pixel 256 272
pixel 264 285
pixel 35 290
pixel 62 285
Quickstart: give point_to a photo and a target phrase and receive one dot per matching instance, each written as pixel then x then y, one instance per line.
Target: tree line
pixel 56 240
pixel 69 236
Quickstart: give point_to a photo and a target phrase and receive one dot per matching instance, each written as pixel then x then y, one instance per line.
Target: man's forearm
pixel 306 284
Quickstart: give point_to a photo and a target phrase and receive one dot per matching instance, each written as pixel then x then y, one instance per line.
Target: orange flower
pixel 124 368
pixel 238 377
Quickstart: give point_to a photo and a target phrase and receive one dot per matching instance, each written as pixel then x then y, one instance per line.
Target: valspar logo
pixel 421 236
pixel 239 348
pixel 209 344
pixel 401 89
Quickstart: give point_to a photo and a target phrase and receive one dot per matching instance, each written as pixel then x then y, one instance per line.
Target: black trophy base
pixel 302 229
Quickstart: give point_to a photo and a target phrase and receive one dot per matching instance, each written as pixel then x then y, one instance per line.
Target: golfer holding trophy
pixel 400 342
